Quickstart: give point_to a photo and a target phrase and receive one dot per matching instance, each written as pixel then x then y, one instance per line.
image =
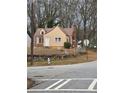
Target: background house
pixel 54 37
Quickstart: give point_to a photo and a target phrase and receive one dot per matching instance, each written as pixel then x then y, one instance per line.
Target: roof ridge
pixel 66 31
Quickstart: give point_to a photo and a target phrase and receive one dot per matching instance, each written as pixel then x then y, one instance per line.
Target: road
pixel 76 78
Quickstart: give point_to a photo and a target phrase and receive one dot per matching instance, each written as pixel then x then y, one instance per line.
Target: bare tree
pixel 32 25
pixel 48 13
pixel 86 18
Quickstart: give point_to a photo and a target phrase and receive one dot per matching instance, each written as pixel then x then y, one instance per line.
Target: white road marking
pixel 54 84
pixel 90 88
pixel 92 84
pixel 38 90
pixel 62 84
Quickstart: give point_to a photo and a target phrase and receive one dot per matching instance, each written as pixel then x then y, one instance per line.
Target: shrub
pixel 67 45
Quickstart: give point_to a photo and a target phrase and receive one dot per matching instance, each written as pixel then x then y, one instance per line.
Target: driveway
pixel 76 78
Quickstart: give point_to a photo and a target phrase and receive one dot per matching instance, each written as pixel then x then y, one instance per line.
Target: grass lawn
pixel 72 60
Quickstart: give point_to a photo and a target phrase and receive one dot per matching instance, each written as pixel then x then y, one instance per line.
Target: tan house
pixel 54 37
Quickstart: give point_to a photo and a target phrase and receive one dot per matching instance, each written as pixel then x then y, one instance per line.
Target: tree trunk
pixel 32 50
pixel 84 31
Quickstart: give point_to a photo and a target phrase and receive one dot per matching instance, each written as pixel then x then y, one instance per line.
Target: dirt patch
pixel 29 83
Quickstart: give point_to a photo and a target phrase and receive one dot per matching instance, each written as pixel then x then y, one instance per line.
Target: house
pixel 54 37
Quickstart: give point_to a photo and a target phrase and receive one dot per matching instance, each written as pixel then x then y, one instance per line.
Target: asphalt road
pixel 76 78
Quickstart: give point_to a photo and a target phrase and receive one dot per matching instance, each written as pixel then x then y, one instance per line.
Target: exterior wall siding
pixel 56 33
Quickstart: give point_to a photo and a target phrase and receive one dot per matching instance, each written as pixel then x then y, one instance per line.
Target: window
pixel 39 40
pixel 41 33
pixel 57 39
pixel 42 39
pixel 67 40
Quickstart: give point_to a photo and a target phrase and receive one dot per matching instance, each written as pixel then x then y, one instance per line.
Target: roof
pixel 67 31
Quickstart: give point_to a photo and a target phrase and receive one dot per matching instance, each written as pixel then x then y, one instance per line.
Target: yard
pixel 80 58
pixel 49 51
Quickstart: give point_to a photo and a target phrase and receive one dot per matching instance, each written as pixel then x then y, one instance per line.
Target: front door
pixel 47 42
